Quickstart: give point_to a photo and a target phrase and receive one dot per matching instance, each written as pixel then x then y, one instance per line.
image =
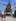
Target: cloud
pixel 4 0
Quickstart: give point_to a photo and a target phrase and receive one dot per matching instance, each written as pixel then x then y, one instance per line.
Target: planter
pixel 14 15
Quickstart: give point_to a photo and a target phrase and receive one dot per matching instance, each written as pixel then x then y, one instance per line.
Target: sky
pixel 5 2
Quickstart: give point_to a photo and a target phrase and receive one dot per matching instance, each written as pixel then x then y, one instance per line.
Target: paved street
pixel 9 18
